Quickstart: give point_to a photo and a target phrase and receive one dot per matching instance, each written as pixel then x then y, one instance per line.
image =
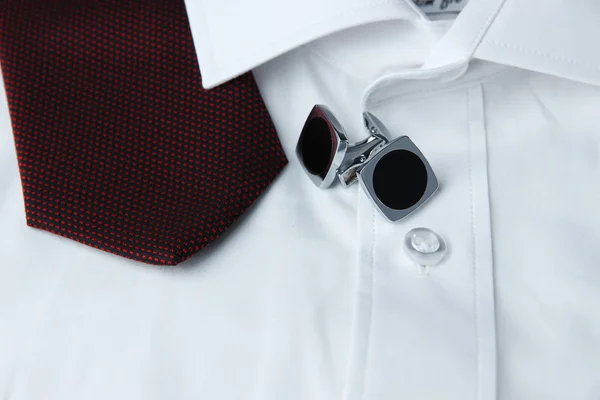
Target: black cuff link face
pixel 394 173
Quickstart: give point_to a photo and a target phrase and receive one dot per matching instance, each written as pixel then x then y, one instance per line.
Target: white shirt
pixel 311 296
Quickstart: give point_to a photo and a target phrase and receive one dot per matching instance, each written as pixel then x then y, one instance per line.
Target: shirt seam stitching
pixel 474 244
pixel 484 28
pixel 547 55
pixel 371 284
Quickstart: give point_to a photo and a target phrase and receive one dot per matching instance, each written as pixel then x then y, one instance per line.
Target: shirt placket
pixel 429 335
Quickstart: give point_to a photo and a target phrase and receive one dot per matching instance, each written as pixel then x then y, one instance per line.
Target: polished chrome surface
pixel 352 162
pixel 357 155
pixel 365 177
pixel 339 150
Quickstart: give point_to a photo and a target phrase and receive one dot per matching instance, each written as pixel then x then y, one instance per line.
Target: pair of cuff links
pixel 394 174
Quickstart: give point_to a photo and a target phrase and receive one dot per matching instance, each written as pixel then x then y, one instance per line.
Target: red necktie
pixel 119 146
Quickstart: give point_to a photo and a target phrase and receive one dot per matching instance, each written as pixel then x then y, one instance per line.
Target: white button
pixel 424 247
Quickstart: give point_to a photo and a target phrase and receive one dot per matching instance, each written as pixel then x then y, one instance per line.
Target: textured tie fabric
pixel 119 146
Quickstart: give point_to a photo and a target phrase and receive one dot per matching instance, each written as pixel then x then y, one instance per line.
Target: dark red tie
pixel 119 146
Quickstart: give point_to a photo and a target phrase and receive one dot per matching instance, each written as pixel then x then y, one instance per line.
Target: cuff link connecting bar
pixel 394 174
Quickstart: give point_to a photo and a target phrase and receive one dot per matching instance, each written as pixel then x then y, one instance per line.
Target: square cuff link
pixel 394 174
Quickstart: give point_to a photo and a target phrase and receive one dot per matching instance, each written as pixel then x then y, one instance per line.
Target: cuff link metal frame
pixel 395 175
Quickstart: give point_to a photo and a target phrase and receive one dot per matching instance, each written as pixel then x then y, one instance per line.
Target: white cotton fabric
pixel 310 296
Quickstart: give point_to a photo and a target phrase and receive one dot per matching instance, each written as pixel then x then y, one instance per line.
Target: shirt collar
pixel 233 36
pixel 553 37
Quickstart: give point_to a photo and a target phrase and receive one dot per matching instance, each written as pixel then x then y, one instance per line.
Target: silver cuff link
pixel 394 173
